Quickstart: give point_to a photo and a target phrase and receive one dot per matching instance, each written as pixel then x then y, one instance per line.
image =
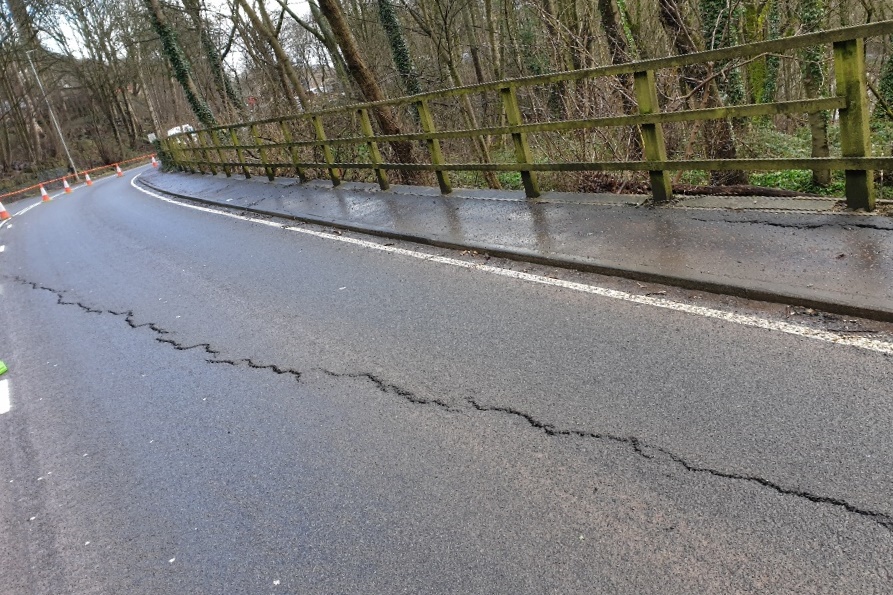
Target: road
pixel 202 403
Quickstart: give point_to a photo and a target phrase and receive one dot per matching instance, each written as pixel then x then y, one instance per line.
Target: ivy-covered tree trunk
pixel 813 69
pixel 773 61
pixel 399 48
pixel 179 63
pixel 221 80
pixel 364 78
pixel 719 22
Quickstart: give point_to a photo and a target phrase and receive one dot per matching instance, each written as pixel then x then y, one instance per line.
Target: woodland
pixel 117 72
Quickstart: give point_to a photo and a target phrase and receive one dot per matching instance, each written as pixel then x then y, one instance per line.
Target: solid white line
pixel 741 319
pixel 2 248
pixel 5 405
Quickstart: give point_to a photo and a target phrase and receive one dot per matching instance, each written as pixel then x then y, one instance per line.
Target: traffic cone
pixel 154 163
pixel 4 214
pixel 118 170
pixel 87 179
pixel 43 194
pixel 66 186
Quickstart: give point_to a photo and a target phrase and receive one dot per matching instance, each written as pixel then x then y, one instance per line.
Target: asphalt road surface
pixel 201 403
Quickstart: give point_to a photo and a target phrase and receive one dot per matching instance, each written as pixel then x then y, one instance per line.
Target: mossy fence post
pixel 849 71
pixel 522 149
pixel 240 154
pixel 427 122
pixel 334 173
pixel 190 151
pixel 652 135
pixel 262 152
pixel 213 137
pixel 374 153
pixel 292 150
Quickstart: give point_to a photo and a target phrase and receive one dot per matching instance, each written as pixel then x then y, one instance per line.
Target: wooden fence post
pixel 374 153
pixel 292 150
pixel 849 70
pixel 270 171
pixel 204 152
pixel 427 122
pixel 212 134
pixel 334 174
pixel 186 138
pixel 522 149
pixel 652 134
pixel 239 154
pixel 174 151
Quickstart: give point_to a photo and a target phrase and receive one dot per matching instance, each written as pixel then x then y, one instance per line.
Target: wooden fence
pixel 299 142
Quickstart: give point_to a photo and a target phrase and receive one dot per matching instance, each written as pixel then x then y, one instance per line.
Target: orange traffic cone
pixel 4 214
pixel 43 194
pixel 118 170
pixel 154 163
pixel 66 186
pixel 87 179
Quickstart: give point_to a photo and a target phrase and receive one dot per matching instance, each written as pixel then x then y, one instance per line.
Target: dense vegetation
pixel 117 70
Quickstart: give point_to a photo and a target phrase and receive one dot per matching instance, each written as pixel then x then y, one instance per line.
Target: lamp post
pixel 53 116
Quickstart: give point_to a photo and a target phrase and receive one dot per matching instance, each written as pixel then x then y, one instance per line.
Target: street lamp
pixel 53 116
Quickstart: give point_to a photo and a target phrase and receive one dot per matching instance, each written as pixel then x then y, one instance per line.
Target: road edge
pixel 698 282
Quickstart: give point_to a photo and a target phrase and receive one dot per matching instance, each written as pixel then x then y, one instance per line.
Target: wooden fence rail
pixel 284 143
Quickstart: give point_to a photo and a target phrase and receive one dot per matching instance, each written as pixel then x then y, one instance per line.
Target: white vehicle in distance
pixel 181 129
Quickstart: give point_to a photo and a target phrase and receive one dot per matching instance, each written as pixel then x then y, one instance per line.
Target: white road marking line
pixel 26 209
pixel 2 248
pixel 5 404
pixel 741 319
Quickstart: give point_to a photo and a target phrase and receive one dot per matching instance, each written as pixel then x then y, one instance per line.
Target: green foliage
pixel 764 140
pixel 882 136
pixel 799 180
pixel 696 177
pixel 885 88
pixel 812 65
pixel 535 60
pixel 762 23
pixel 510 180
pixel 626 23
pixel 719 20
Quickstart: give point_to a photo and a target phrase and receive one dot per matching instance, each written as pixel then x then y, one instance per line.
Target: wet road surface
pixel 205 404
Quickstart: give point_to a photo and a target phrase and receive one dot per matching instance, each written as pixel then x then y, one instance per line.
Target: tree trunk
pixel 399 48
pixel 885 88
pixel 221 80
pixel 325 37
pixel 718 134
pixel 265 29
pixel 366 82
pixel 179 63
pixel 811 18
pixel 619 50
pixel 773 62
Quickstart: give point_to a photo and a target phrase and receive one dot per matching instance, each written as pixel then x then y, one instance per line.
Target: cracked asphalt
pixel 208 405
